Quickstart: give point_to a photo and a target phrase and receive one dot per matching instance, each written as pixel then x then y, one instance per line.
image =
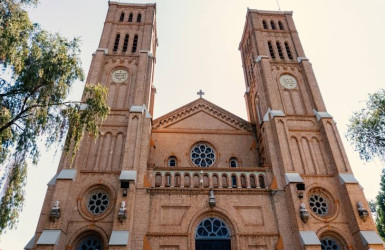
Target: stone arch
pixel 85 231
pixel 213 213
pixel 335 234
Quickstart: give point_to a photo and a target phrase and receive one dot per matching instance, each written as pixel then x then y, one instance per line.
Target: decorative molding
pixel 321 115
pixel 201 105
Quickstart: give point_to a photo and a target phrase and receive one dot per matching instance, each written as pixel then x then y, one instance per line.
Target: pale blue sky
pixel 198 49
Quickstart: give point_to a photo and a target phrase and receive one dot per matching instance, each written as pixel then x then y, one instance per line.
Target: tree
pixel 379 206
pixel 366 129
pixel 367 132
pixel 38 70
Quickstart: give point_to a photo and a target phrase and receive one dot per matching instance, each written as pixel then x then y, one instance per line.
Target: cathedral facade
pixel 201 177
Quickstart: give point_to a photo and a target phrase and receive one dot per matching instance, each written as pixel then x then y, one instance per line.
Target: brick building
pixel 201 177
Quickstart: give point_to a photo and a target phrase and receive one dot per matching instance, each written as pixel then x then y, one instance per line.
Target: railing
pixel 208 179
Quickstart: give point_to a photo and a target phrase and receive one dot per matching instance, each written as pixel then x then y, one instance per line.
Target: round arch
pixel 217 214
pixel 96 234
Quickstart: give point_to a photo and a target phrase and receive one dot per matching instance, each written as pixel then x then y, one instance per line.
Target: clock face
pixel 288 82
pixel 119 75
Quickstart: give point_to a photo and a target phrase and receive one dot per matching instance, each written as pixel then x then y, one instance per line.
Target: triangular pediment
pixel 201 115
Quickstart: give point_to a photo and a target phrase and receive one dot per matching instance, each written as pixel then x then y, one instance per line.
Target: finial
pixel 200 93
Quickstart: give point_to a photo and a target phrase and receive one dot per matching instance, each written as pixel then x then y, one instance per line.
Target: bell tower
pixel 91 201
pixel 314 193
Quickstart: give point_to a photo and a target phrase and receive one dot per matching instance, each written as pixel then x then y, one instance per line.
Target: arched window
pixel 233 162
pixel 187 180
pixel 261 181
pixel 215 181
pixel 264 25
pixel 212 233
pixel 252 181
pixel 280 24
pixel 172 161
pixel 271 50
pixel 225 184
pixel 158 180
pixel 121 17
pixel 177 180
pixel 279 50
pixel 125 44
pixel 243 181
pixel 134 44
pixel 168 180
pixel 206 181
pixel 233 181
pixel 130 17
pixel 288 51
pixel 90 241
pixel 330 241
pixel 272 25
pixel 116 44
pixel 139 18
pixel 196 181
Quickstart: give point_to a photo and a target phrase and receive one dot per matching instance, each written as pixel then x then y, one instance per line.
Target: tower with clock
pixel 201 177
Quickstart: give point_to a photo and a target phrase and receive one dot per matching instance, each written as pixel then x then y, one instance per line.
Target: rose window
pixel 329 244
pixel 318 205
pixel 202 155
pixel 98 202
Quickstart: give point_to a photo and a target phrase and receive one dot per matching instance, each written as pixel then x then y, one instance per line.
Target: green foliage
pixel 367 128
pixel 380 207
pixel 38 70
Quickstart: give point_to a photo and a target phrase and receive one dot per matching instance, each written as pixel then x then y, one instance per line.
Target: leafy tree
pixel 367 128
pixel 367 132
pixel 37 71
pixel 380 207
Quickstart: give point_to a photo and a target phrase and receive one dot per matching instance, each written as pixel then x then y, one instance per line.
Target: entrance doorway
pixel 212 234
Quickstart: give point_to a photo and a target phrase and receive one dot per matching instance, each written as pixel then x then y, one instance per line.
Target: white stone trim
pixel 127 175
pixel 370 238
pixel 300 59
pixel 119 238
pixel 293 178
pixel 309 238
pixel 347 178
pixel 67 174
pixel 321 115
pixel 31 243
pixel 273 113
pixel 49 237
pixel 260 57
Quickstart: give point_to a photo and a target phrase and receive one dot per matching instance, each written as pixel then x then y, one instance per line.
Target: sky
pixel 198 49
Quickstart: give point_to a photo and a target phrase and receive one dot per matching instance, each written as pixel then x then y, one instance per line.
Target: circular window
pixel 202 155
pixel 322 204
pixel 318 204
pixel 328 243
pixel 98 202
pixel 91 242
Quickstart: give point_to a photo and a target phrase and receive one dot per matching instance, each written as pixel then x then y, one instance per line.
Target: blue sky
pixel 198 49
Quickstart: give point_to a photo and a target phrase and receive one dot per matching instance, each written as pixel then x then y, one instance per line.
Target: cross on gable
pixel 200 93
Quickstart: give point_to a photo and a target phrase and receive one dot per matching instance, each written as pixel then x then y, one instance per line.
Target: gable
pixel 201 120
pixel 201 115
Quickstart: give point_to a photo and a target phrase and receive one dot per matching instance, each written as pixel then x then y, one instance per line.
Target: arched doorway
pixel 212 234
